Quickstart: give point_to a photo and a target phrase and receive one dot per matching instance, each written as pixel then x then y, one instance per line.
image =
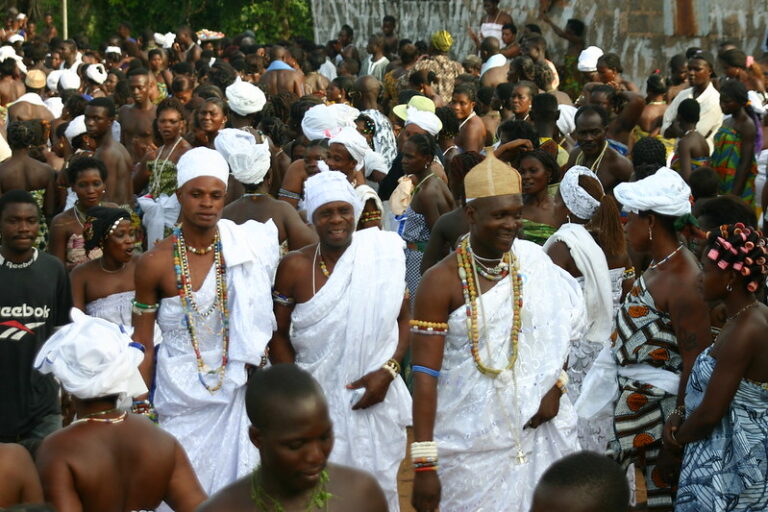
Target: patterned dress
pixel 41 242
pixel 729 469
pixel 644 335
pixel 536 232
pixel 725 160
pixel 416 235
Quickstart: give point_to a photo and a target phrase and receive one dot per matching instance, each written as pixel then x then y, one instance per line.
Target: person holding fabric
pixel 722 425
pixel 661 327
pixel 346 322
pixel 430 198
pixel 208 288
pixel 157 172
pixel 539 171
pixel 590 232
pixel 97 363
pixel 737 142
pixel 249 164
pixel 104 286
pixel 490 413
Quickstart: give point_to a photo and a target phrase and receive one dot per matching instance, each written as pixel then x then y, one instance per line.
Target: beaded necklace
pixel 92 419
pixel 191 309
pixel 317 501
pixel 654 266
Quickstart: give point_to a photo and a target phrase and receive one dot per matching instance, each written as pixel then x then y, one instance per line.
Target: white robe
pixel 477 426
pixel 213 427
pixel 349 328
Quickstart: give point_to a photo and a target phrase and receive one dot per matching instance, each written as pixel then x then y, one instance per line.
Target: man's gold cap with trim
pixel 491 178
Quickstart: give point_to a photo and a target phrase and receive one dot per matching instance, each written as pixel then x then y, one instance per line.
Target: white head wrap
pixel 588 59
pixel 355 143
pixel 576 199
pixel 201 162
pixel 69 80
pixel 366 193
pixel 16 38
pixel 93 358
pixel 664 192
pixel 115 49
pixel 97 73
pixel 165 40
pixel 52 81
pixel 327 187
pixel 74 128
pixel 374 161
pixel 425 120
pixel 248 161
pixel 21 16
pixel 325 121
pixel 7 52
pixel 245 98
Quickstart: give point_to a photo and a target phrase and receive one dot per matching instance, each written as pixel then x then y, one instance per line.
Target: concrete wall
pixel 645 33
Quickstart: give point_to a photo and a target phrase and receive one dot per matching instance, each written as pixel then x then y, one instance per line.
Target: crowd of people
pixel 237 276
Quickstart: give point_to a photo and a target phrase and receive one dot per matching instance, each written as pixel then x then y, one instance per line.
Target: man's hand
pixel 548 409
pixel 376 385
pixel 426 491
pixel 670 428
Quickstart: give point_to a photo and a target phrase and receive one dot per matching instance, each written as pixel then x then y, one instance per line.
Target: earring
pixel 568 218
pixel 729 287
pixel 650 233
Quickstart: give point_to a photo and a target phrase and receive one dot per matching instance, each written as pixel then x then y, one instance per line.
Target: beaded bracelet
pixel 423 369
pixel 281 299
pixel 429 328
pixel 371 217
pixel 562 382
pixel 424 456
pixel 393 367
pixel 679 412
pixel 141 309
pixel 629 273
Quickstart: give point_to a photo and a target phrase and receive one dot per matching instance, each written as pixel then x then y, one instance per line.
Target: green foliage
pixel 271 20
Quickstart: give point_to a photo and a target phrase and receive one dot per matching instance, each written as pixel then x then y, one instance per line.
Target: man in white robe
pixel 199 397
pixel 342 315
pixel 490 419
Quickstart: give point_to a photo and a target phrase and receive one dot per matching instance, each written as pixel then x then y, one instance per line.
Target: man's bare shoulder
pixel 299 259
pixel 232 498
pixel 159 256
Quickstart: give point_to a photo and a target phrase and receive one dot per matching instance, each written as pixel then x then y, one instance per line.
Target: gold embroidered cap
pixel 491 178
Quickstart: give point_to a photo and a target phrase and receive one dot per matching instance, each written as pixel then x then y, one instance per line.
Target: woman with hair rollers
pixel 722 425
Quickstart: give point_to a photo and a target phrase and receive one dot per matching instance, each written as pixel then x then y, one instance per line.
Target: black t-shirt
pixel 33 301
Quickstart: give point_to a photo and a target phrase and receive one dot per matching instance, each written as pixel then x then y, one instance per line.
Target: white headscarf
pixel 7 52
pixel 201 162
pixel 115 49
pixel 374 161
pixel 424 119
pixel 69 80
pixel 248 161
pixel 52 81
pixel 327 187
pixel 93 358
pixel 366 193
pixel 576 199
pixel 355 143
pixel 325 121
pixel 664 192
pixel 588 59
pixel 245 98
pixel 97 73
pixel 74 128
pixel 165 40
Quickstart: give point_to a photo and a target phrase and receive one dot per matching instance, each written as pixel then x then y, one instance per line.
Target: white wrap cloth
pixel 598 295
pixel 248 161
pixel 355 144
pixel 494 61
pixel 7 52
pixel 348 329
pixel 479 421
pixel 588 59
pixel 97 73
pixel 327 187
pixel 664 192
pixel 244 98
pixel 213 427
pixel 325 121
pixel 366 193
pixel 199 162
pixel 424 119
pixel 93 358
pixel 69 80
pixel 74 128
pixel 52 81
pixel 576 199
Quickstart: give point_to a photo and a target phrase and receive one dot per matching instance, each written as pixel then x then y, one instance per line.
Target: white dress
pixel 478 426
pixel 115 308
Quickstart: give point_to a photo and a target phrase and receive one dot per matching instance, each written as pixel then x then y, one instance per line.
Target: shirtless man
pixel 593 151
pixel 99 116
pixel 471 135
pixel 280 76
pixel 624 110
pixel 20 483
pixel 11 87
pixel 143 464
pixel 187 50
pixel 391 41
pixel 497 64
pixel 136 119
pixel 292 429
pixel 30 105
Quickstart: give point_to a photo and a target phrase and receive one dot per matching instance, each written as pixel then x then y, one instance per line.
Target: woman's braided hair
pixel 742 249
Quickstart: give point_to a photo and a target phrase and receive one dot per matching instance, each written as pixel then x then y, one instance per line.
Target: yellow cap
pixel 491 178
pixel 442 40
pixel 418 102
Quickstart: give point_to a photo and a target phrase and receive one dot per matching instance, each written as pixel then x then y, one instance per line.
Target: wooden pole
pixel 65 27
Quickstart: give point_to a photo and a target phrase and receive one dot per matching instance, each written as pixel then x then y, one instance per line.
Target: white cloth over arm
pixel 710 117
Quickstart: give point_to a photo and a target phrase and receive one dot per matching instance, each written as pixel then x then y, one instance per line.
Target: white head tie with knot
pixel 576 199
pixel 424 119
pixel 355 144
pixel 325 121
pixel 199 162
pixel 663 192
pixel 93 358
pixel 244 98
pixel 248 161
pixel 328 187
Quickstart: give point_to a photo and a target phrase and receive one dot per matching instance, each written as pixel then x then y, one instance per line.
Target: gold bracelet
pixel 393 367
